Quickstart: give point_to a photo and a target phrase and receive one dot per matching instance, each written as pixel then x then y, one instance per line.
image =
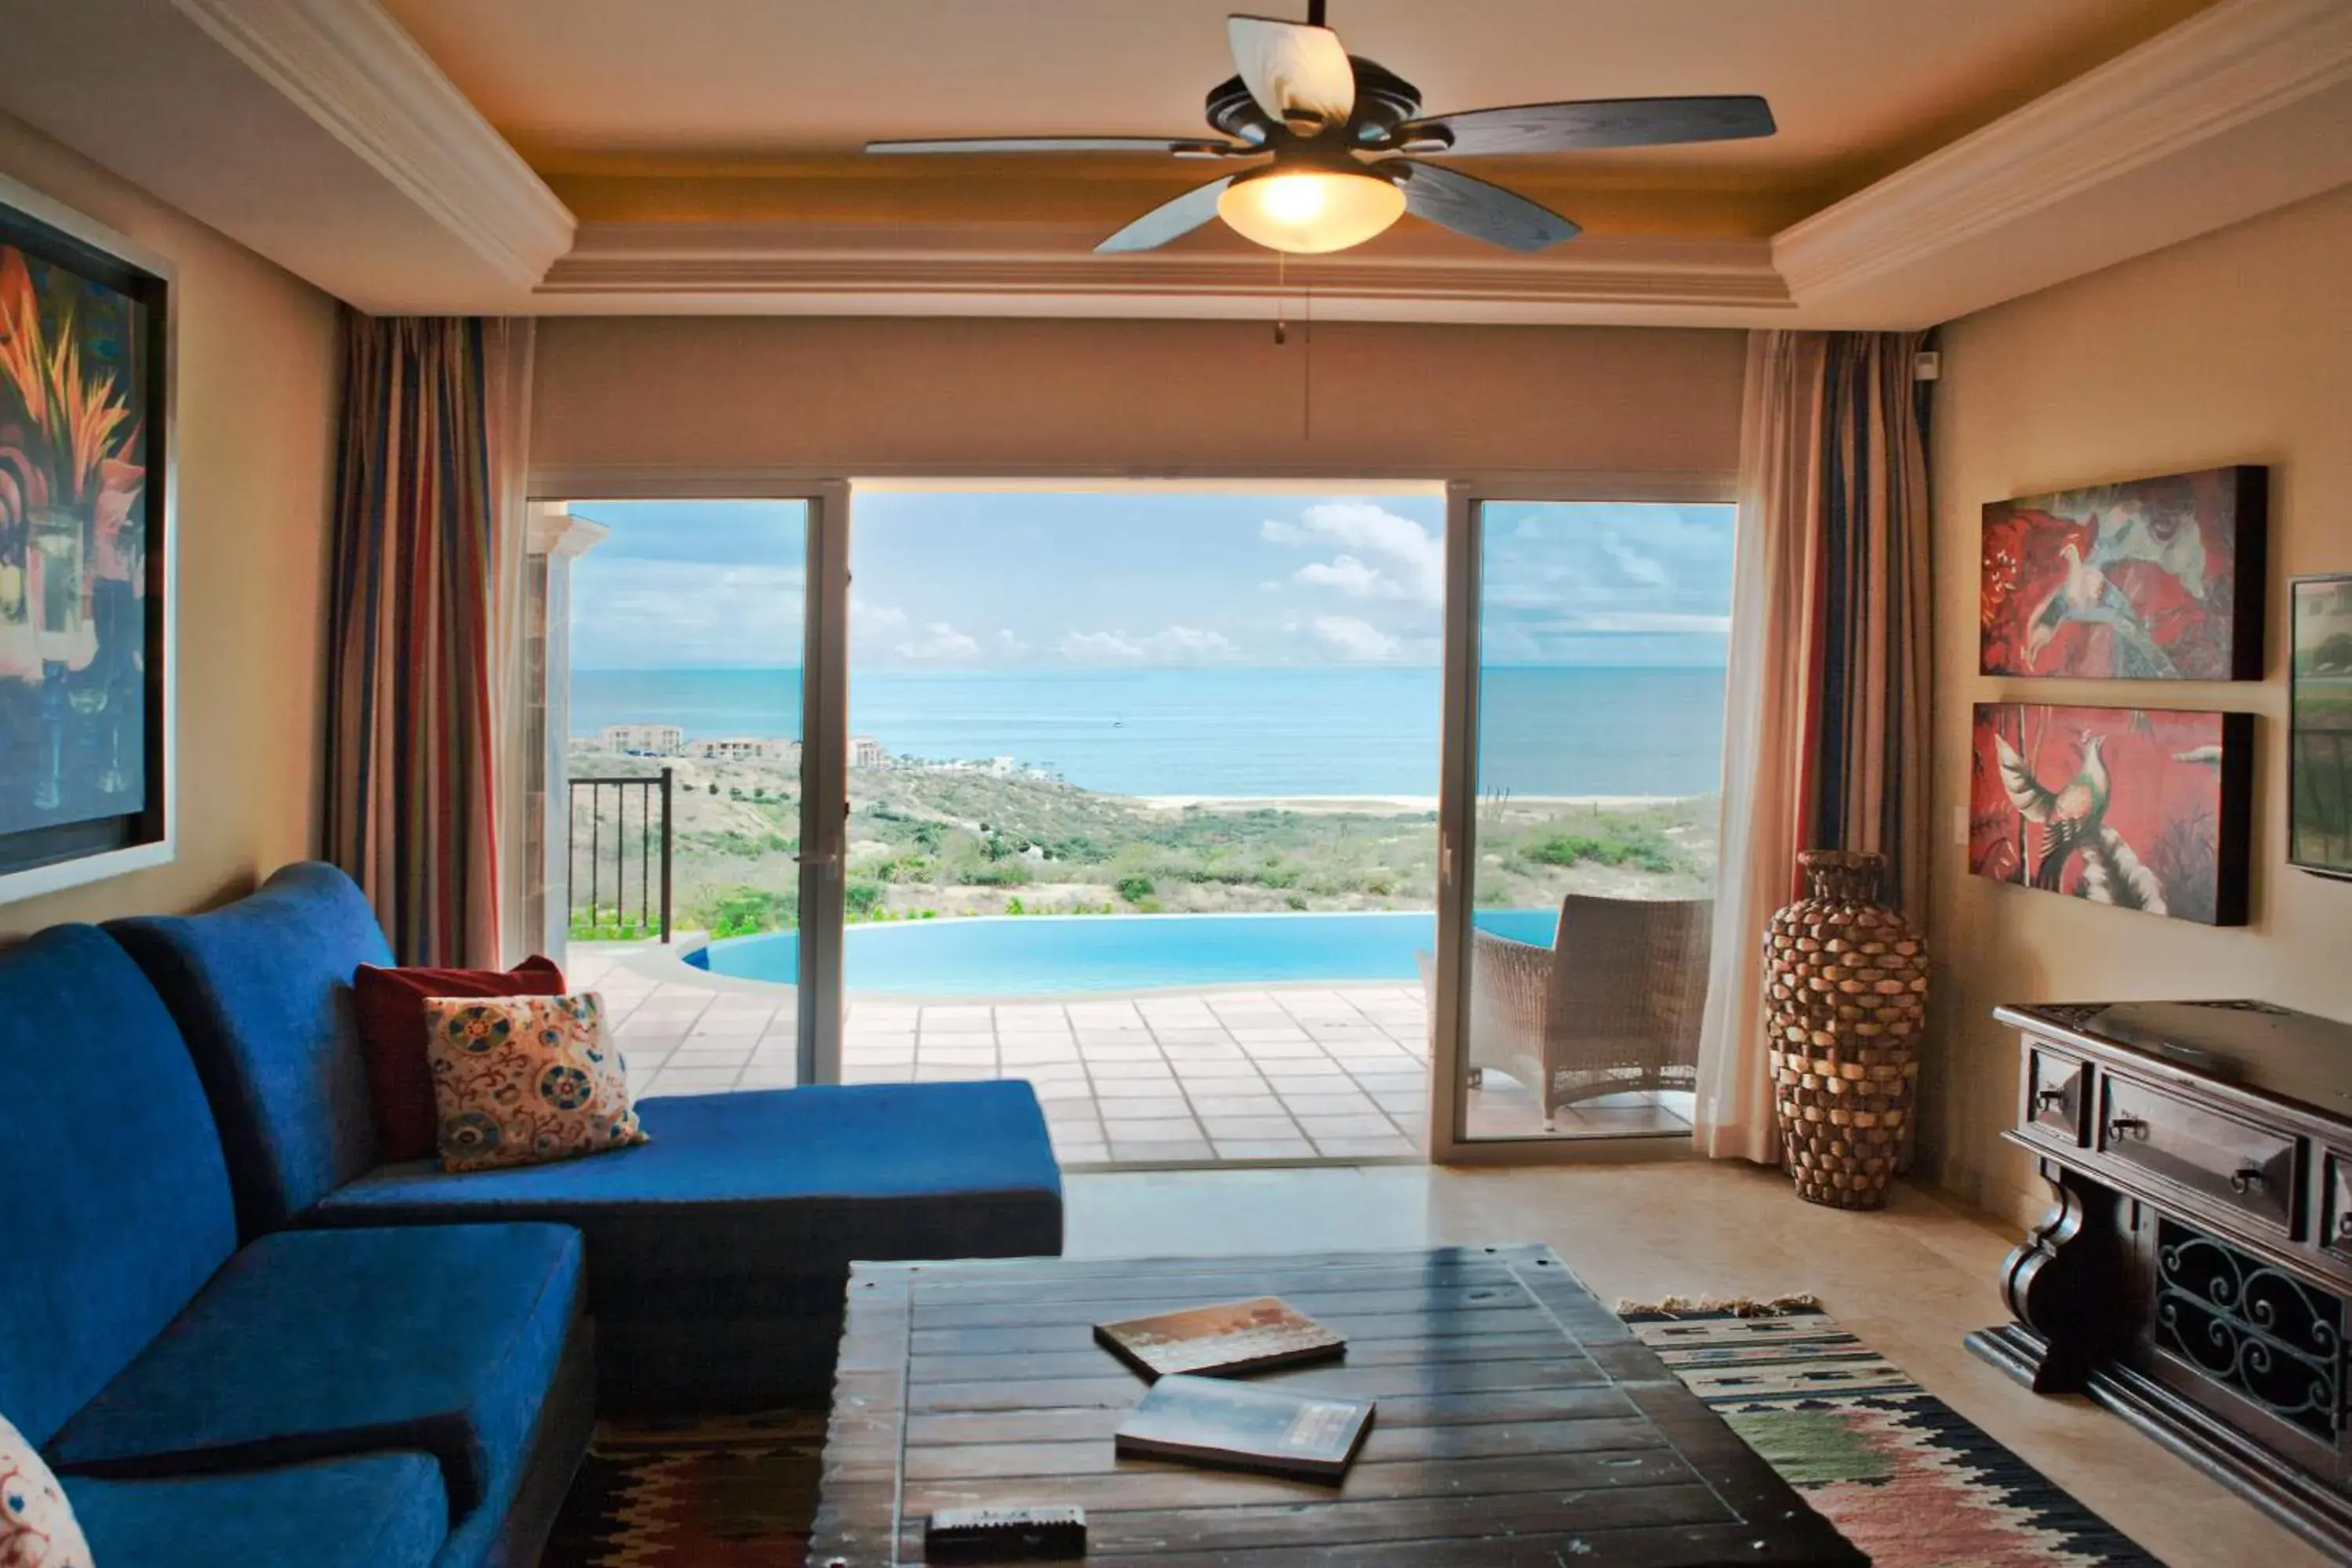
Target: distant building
pixel 747 749
pixel 642 739
pixel 864 751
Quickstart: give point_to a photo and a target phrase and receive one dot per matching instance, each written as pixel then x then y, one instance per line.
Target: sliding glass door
pixel 1586 645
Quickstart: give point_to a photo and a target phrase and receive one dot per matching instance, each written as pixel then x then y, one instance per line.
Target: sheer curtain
pixel 1826 695
pixel 425 581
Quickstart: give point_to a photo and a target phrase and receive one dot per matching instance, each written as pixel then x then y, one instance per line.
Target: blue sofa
pixel 717 1253
pixel 366 1398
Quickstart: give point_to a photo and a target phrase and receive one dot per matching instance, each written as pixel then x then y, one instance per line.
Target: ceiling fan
pixel 1343 139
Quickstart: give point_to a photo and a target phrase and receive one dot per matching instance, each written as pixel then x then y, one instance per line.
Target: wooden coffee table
pixel 1519 1422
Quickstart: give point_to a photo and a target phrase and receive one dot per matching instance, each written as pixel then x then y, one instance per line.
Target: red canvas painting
pixel 2153 580
pixel 2140 809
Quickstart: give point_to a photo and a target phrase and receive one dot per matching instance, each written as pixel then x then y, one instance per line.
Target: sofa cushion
pixel 262 989
pixel 770 1182
pixel 118 1203
pixel 383 1510
pixel 520 1081
pixel 316 1344
pixel 391 1005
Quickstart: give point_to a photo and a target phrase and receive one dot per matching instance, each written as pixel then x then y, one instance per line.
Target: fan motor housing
pixel 1384 100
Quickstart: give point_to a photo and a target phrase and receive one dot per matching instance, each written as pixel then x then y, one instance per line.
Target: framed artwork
pixel 2319 724
pixel 2134 807
pixel 2153 580
pixel 85 423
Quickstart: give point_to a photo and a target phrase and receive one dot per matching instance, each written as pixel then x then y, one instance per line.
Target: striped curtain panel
pixel 1825 731
pixel 410 809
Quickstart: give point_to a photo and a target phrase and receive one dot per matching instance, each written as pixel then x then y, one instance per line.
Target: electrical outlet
pixel 1961 824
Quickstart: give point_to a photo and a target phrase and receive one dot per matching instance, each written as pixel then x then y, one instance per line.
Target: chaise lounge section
pixel 717 1252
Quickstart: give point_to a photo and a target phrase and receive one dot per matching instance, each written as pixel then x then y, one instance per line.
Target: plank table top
pixel 1520 1424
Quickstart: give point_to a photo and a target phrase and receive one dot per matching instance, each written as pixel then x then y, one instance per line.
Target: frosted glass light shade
pixel 1310 211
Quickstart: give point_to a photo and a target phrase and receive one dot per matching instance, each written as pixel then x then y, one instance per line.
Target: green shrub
pixel 1644 849
pixel 861 898
pixel 1000 874
pixel 1136 888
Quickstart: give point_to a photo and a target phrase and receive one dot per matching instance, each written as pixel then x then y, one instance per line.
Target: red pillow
pixel 392 1033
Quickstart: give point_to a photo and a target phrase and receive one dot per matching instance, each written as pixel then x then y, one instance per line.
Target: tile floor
pixel 1163 1079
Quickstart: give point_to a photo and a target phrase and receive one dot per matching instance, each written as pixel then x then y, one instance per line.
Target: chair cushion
pixel 37 1528
pixel 520 1081
pixel 767 1183
pixel 262 989
pixel 384 1510
pixel 119 1203
pixel 391 1005
pixel 316 1344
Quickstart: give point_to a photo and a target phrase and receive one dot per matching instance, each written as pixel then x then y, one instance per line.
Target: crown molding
pixel 1050 268
pixel 2214 74
pixel 351 69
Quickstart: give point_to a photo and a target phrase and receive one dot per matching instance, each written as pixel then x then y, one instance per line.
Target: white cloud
pixel 1646 570
pixel 1643 621
pixel 636 613
pixel 942 643
pixel 1175 644
pixel 1352 639
pixel 1380 554
pixel 868 617
pixel 1005 643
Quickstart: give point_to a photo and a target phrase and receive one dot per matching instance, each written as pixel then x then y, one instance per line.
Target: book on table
pixel 1248 1426
pixel 1230 1337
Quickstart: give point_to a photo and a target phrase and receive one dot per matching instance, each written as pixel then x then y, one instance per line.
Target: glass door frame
pixel 1457 806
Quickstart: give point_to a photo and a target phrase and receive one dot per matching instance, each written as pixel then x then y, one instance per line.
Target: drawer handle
pixel 2049 1099
pixel 2124 1127
pixel 2249 1180
pixel 2344 1228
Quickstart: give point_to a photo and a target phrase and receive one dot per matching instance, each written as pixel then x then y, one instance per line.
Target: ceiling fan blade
pixel 1595 124
pixel 1169 220
pixel 1453 200
pixel 1299 74
pixel 1178 146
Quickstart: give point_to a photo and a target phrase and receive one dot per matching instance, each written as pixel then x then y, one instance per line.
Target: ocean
pixel 1545 731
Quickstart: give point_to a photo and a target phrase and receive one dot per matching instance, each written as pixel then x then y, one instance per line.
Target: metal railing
pixel 606 912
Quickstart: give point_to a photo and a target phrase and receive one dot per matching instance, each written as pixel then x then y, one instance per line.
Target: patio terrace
pixel 1282 1073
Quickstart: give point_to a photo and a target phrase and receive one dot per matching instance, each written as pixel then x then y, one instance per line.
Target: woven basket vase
pixel 1845 998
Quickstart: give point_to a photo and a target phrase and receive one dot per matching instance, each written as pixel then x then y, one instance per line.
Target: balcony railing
pixel 615 851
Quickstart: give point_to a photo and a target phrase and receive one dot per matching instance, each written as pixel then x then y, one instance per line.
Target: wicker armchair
pixel 1613 1005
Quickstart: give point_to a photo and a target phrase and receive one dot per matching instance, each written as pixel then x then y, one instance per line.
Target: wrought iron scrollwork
pixel 2253 1328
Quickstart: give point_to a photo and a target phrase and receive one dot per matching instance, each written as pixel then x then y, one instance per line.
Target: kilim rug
pixel 1900 1474
pixel 734 1493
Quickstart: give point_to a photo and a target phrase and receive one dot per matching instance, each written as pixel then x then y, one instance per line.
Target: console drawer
pixel 2055 1102
pixel 2241 1165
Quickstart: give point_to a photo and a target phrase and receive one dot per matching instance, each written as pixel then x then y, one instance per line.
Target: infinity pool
pixel 1040 955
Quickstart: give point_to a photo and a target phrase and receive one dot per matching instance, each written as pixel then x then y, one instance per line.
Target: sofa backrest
pixel 118 1198
pixel 262 989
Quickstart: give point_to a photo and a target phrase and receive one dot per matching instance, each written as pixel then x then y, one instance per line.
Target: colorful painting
pixel 79 523
pixel 2153 580
pixel 2134 807
pixel 2320 775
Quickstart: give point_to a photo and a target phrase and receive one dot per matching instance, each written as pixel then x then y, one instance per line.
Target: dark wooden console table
pixel 2195 1271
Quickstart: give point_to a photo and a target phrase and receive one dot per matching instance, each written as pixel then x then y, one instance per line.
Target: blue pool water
pixel 1037 955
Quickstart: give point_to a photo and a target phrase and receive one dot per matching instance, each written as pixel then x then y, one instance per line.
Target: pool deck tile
pixel 1303 1074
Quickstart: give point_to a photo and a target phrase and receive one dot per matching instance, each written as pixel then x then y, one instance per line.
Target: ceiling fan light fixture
pixel 1310 211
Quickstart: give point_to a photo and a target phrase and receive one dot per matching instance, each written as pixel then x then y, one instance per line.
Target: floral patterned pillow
pixel 36 1523
pixel 520 1081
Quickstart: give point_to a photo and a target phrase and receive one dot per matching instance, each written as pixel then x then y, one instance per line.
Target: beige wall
pixel 257 392
pixel 626 399
pixel 2233 348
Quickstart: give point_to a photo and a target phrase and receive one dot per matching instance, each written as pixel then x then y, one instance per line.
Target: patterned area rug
pixel 737 1493
pixel 1901 1475
pixel 1905 1479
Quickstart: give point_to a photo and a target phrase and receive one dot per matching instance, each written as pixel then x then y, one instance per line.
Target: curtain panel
pixel 420 604
pixel 1825 732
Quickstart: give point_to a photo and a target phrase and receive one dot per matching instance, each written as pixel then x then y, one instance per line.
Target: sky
pixel 943 580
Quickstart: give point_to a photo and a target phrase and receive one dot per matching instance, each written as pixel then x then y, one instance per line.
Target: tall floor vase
pixel 1845 999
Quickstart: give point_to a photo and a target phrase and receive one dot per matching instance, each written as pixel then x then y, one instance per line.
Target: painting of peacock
pixel 2073 819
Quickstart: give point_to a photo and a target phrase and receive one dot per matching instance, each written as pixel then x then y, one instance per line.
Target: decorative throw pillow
pixel 391 1005
pixel 36 1523
pixel 520 1080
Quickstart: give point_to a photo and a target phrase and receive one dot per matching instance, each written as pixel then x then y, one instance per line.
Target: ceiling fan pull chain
pixel 1281 297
